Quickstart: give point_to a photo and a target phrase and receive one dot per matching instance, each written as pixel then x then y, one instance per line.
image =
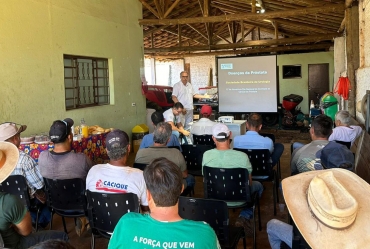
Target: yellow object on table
pixel 85 131
pixel 138 132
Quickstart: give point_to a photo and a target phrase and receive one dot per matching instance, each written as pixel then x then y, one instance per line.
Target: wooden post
pixel 353 53
pixel 179 34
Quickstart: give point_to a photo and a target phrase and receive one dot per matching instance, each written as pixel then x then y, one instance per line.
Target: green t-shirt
pixel 141 231
pixel 226 159
pixel 12 211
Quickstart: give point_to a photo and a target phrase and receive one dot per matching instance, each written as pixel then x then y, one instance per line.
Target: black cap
pixel 60 129
pixel 116 139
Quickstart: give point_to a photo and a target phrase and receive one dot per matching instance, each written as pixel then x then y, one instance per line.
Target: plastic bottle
pixel 84 129
pixel 312 106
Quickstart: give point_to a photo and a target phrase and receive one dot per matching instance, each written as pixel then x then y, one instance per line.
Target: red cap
pixel 206 109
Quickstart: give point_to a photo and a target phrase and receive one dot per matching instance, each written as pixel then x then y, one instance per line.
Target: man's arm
pixel 199 96
pixel 24 227
pixel 174 99
pixel 179 128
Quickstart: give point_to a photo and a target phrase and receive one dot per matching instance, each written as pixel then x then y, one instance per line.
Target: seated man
pixel 163 227
pixel 15 220
pixel 172 116
pixel 303 159
pixel 148 139
pixel 28 168
pixel 161 136
pixel 62 162
pixel 343 130
pixel 252 140
pixel 125 178
pixel 204 125
pixel 224 157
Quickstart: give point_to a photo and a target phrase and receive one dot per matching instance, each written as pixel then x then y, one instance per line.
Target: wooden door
pixel 318 81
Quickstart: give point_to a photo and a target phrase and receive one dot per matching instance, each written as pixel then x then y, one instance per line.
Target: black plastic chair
pixel 140 166
pixel 348 144
pixel 106 209
pixel 16 185
pixel 204 140
pixel 216 214
pixel 193 155
pixel 66 198
pixel 263 170
pixel 232 186
pixel 272 137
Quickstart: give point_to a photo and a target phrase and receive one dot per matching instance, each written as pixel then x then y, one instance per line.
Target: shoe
pixel 81 223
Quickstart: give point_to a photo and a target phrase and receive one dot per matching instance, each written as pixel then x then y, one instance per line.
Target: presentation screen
pixel 247 84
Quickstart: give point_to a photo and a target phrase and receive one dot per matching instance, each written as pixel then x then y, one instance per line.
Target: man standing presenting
pixel 183 92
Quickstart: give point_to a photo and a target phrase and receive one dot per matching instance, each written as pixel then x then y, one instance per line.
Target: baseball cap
pixel 220 131
pixel 335 155
pixel 9 129
pixel 60 129
pixel 116 138
pixel 206 109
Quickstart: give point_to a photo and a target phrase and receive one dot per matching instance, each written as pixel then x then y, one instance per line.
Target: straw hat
pixel 9 155
pixel 330 208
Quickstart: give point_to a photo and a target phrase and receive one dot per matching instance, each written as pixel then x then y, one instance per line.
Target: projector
pixel 226 119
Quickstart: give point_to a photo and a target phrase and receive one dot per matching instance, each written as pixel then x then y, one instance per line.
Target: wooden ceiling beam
pixel 171 8
pixel 245 16
pixel 283 41
pixel 300 25
pixel 144 3
pixel 198 31
pixel 246 51
pixel 159 9
pixel 186 37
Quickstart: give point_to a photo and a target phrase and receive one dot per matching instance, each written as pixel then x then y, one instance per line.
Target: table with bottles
pixel 93 146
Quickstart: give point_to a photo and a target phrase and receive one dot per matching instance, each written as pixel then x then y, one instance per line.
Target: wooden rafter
pixel 283 41
pixel 198 31
pixel 168 11
pixel 246 16
pixel 159 9
pixel 143 2
pixel 247 51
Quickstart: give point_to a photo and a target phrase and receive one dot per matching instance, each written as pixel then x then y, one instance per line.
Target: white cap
pixel 220 128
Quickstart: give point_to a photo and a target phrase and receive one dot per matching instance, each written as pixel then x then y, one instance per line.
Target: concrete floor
pixel 285 137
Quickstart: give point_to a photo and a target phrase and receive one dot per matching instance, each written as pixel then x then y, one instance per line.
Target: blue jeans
pixel 278 231
pixel 190 181
pixel 276 154
pixel 296 145
pixel 256 187
pixel 45 213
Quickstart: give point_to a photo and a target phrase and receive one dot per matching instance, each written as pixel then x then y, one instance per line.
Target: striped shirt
pixel 28 168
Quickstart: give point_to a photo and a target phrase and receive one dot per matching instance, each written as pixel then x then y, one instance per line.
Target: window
pixel 292 71
pixel 86 81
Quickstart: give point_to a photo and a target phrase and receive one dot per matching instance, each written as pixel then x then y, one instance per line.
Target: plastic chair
pixel 348 144
pixel 216 214
pixel 263 170
pixel 106 209
pixel 16 185
pixel 272 137
pixel 232 186
pixel 66 198
pixel 193 155
pixel 204 140
pixel 140 166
